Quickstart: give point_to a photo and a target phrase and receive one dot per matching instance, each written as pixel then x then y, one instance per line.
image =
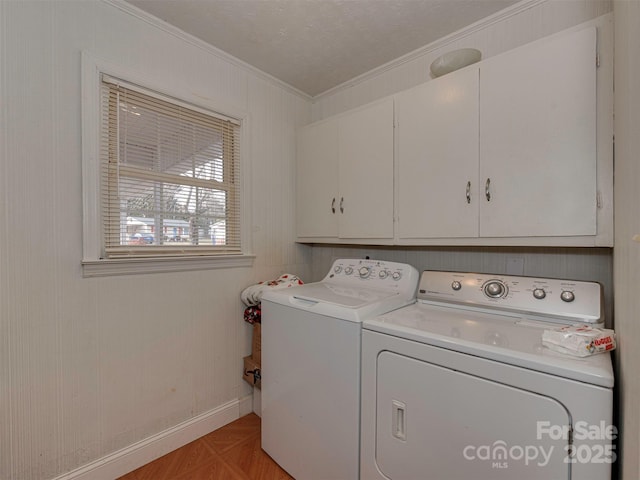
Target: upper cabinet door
pixel 437 134
pixel 317 180
pixel 538 139
pixel 365 146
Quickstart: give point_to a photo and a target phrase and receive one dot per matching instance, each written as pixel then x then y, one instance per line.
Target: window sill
pixel 134 266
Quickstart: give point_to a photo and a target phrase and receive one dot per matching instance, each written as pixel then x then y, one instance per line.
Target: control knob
pixel 539 293
pixel 495 289
pixel 348 270
pixel 364 272
pixel 338 269
pixel 567 296
pixel 456 285
pixel 396 275
pixel 383 274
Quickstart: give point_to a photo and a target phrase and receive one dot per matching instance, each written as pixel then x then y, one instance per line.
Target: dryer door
pixel 435 422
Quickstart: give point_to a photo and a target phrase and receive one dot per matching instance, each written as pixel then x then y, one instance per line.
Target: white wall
pixel 626 251
pixel 91 366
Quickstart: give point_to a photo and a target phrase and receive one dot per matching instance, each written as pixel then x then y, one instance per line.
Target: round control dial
pixel 456 285
pixel 495 289
pixel 567 296
pixel 539 293
pixel 348 270
pixel 364 272
pixel 383 274
pixel 396 275
pixel 338 269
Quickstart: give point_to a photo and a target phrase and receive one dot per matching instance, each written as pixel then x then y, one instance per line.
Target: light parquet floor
pixel 232 452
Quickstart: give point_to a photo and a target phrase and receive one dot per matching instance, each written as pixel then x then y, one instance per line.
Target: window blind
pixel 169 176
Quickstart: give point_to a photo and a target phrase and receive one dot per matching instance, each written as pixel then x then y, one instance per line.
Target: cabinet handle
pixel 468 192
pixel 487 189
pixel 341 204
pixel 333 205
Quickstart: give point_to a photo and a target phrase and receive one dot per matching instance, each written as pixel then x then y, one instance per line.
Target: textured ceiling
pixel 315 45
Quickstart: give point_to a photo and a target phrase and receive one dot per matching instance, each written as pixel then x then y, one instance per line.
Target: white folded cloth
pixel 252 296
pixel 579 340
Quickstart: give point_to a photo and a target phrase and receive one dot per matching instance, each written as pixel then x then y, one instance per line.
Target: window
pixel 169 176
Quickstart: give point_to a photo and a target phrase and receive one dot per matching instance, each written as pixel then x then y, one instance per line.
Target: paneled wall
pixel 626 250
pixel 89 366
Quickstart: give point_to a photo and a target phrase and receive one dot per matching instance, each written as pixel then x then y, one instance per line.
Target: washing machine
pixel 311 345
pixel 459 385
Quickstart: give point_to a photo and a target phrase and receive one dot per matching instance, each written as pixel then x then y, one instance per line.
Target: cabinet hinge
pixel 598 60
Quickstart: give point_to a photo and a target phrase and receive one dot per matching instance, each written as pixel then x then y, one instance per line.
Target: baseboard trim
pixel 140 453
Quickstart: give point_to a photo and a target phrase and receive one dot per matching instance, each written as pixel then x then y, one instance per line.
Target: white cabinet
pixel 365 172
pixel 504 151
pixel 538 139
pixel 513 150
pixel 345 176
pixel 316 179
pixel 437 135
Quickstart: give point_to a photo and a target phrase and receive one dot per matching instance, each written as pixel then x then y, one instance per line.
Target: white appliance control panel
pixel 568 301
pixel 378 274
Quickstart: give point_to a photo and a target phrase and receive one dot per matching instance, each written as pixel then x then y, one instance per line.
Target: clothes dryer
pixel 459 385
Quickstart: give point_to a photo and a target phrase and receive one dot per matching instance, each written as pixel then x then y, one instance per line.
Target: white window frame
pixel 93 240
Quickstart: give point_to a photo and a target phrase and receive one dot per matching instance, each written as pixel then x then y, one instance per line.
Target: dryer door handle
pixel 398 420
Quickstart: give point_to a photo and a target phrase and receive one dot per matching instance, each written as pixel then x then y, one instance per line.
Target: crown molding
pixel 441 42
pixel 134 11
